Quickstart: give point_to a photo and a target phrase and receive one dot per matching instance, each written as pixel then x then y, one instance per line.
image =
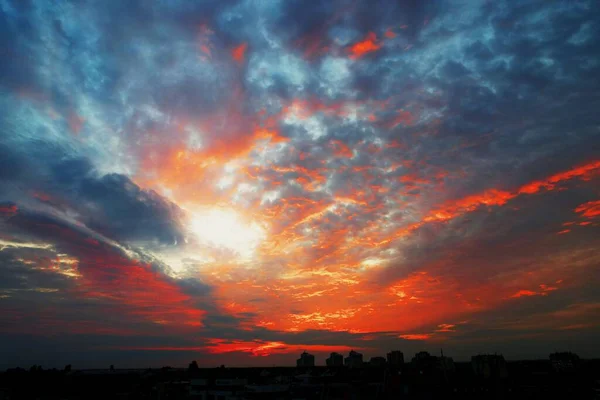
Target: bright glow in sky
pixel 226 228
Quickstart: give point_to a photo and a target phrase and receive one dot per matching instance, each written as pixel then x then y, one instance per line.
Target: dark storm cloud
pixel 17 277
pixel 128 212
pixel 111 204
pixel 17 70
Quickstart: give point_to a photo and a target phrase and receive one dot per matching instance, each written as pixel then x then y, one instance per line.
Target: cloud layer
pixel 242 180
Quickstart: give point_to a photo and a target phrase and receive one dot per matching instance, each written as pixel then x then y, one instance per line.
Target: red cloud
pixel 585 172
pixel 313 45
pixel 204 43
pixel 238 53
pixel 590 209
pixel 389 33
pixel 257 348
pixel 262 348
pixel 523 293
pixel 8 210
pixel 546 288
pixel 104 273
pixel 368 45
pixel 341 149
pixel 141 292
pixel 76 123
pixel 403 117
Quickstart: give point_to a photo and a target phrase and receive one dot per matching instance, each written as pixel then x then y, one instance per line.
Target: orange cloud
pixel 389 33
pixel 416 336
pixel 544 289
pixel 584 172
pixel 296 233
pixel 182 170
pixel 495 197
pixel 368 45
pixel 446 328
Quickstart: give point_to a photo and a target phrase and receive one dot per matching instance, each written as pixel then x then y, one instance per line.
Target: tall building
pixel 564 361
pixel 377 362
pixel 395 358
pixel 353 360
pixel 306 360
pixel 446 364
pixel 422 356
pixel 335 360
pixel 424 362
pixel 489 366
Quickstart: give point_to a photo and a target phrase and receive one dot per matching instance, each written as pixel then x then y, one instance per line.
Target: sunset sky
pixel 238 181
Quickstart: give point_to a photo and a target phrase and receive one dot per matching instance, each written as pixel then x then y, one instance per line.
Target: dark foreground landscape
pixel 425 377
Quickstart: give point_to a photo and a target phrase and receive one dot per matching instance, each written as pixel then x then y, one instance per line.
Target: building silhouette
pixel 395 358
pixel 377 362
pixel 564 361
pixel 306 360
pixel 446 364
pixel 424 363
pixel 423 357
pixel 489 366
pixel 335 360
pixel 354 359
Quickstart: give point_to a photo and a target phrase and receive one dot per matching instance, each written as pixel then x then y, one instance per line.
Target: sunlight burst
pixel 226 228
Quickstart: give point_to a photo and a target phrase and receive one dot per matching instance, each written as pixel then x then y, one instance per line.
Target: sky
pixel 238 181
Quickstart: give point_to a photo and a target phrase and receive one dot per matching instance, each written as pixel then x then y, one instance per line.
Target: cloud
pixel 412 164
pixel 239 53
pixel 590 209
pixel 95 269
pixel 111 204
pixel 416 336
pixel 368 45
